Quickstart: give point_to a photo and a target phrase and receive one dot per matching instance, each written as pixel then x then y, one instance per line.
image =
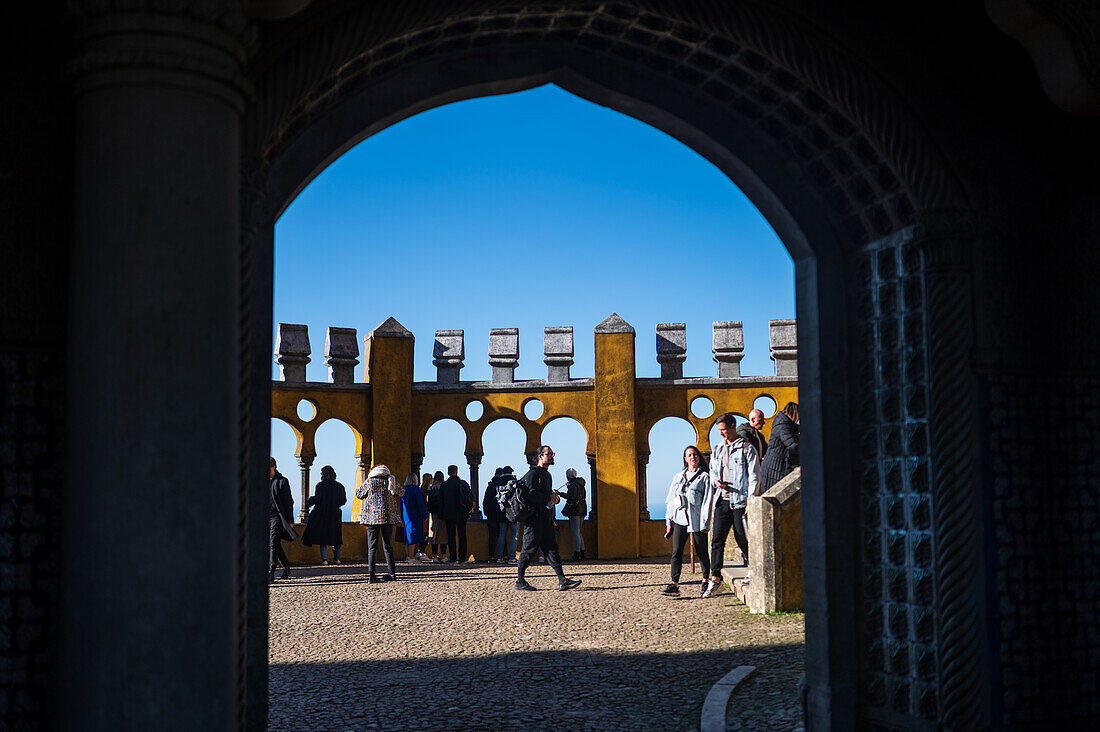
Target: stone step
pixel 735 578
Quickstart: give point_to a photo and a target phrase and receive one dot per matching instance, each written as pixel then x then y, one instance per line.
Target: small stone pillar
pixel 729 348
pixel 473 459
pixel 775 547
pixel 292 351
pixel 449 353
pixel 341 355
pixel 783 336
pixel 671 349
pixel 305 461
pixel 504 354
pixel 557 347
pixel 643 508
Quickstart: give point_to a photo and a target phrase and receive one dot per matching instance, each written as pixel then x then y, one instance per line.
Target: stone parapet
pixel 729 347
pixel 292 351
pixel 504 354
pixel 449 353
pixel 341 355
pixel 557 347
pixel 671 349
pixel 775 547
pixel 783 337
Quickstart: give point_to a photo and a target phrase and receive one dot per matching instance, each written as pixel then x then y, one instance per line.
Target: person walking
pixel 437 527
pixel 281 523
pixel 379 511
pixel 782 456
pixel 413 514
pixel 735 475
pixel 494 517
pixel 425 484
pixel 687 511
pixel 323 527
pixel 575 509
pixel 538 530
pixel 455 494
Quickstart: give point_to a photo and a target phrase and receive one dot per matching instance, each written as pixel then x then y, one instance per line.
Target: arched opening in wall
pixel 284 448
pixel 569 442
pixel 667 439
pixel 335 442
pixel 806 214
pixel 505 444
pixel 444 445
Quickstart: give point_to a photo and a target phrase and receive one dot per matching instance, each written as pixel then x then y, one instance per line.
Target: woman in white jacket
pixel 687 513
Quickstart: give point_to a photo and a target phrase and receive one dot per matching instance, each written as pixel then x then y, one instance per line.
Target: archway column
pixel 616 448
pixel 473 459
pixel 154 413
pixel 305 461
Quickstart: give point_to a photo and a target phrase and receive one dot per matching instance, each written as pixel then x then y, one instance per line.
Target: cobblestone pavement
pixel 455 647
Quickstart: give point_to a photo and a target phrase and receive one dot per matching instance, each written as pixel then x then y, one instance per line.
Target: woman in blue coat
pixel 413 513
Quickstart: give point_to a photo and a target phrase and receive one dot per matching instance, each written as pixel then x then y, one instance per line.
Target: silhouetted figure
pixel 324 524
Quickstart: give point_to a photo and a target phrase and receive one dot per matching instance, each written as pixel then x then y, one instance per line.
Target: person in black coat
pixel 538 530
pixel 324 524
pixel 281 523
pixel 454 494
pixel 494 517
pixel 782 456
pixel 576 508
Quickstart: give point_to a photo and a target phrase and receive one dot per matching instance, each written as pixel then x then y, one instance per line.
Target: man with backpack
pixel 537 498
pixel 455 495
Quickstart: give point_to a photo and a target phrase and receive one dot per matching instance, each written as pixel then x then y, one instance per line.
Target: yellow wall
pixel 616 447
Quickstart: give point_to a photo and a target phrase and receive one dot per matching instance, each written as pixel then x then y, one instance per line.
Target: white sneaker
pixel 711 587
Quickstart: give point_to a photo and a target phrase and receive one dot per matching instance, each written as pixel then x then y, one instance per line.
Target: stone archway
pixel 875 223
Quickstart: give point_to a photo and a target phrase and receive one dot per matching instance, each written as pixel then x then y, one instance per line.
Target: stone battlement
pixel 292 350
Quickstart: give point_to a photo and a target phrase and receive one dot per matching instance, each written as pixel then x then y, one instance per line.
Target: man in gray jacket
pixel 735 475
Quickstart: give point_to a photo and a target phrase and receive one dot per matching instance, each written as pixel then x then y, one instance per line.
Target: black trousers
pixel 726 518
pixel 540 535
pixel 494 536
pixel 456 529
pixel 275 545
pixel 680 536
pixel 385 531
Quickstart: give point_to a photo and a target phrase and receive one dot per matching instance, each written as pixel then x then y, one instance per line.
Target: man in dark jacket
pixel 282 525
pixel 538 531
pixel 454 493
pixel 750 431
pixel 493 515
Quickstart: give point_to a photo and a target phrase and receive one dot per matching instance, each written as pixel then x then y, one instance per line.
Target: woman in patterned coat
pixel 380 509
pixel 782 456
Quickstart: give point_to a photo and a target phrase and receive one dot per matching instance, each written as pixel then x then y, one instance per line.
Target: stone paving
pixel 455 647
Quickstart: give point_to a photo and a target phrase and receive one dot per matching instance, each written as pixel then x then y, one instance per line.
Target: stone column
pixel 449 352
pixel 154 402
pixel 945 240
pixel 729 348
pixel 341 355
pixel 671 349
pixel 557 347
pixel 616 446
pixel 389 370
pixel 504 354
pixel 473 459
pixel 592 485
pixel 292 351
pixel 783 336
pixel 643 509
pixel 305 461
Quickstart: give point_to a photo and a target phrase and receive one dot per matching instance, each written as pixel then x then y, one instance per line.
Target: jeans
pixel 335 553
pixel 726 518
pixel 506 528
pixel 539 536
pixel 385 531
pixel 679 541
pixel 576 522
pixel 457 526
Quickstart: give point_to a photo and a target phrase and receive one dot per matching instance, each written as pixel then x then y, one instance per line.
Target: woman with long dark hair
pixel 437 527
pixel 782 456
pixel 687 514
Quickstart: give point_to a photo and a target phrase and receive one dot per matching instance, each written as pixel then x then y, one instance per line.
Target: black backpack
pixel 513 503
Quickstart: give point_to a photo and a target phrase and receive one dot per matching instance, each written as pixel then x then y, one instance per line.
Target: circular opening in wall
pixel 307 410
pixel 765 404
pixel 532 409
pixel 702 407
pixel 474 410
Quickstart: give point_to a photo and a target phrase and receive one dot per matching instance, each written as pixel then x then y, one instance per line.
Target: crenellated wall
pixel 390 414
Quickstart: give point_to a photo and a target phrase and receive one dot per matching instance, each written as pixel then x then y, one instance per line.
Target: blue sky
pixel 525 210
